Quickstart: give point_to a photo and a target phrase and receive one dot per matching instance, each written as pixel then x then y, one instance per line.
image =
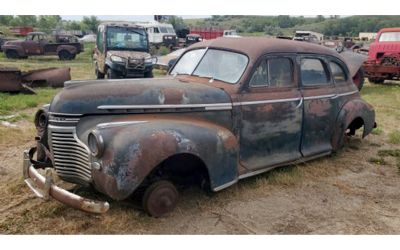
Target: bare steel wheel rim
pixel 160 198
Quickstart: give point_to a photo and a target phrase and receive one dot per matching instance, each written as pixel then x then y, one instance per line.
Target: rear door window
pixel 273 72
pixel 313 72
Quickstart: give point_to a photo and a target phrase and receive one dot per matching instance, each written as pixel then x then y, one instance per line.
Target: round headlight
pixel 41 119
pixel 95 143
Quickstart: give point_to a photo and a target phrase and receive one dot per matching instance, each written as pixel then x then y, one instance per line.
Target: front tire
pixel 12 54
pixel 98 74
pixel 111 74
pixel 376 80
pixel 160 198
pixel 148 74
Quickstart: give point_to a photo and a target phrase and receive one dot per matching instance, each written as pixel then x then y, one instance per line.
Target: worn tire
pixel 160 198
pixel 376 80
pixel 148 74
pixel 111 74
pixel 64 55
pixel 12 54
pixel 359 79
pixel 98 74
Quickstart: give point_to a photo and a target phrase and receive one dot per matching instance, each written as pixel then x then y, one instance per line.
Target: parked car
pixel 38 43
pixel 227 111
pixel 91 38
pixel 384 56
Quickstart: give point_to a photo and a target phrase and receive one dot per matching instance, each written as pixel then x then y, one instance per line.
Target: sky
pixel 125 17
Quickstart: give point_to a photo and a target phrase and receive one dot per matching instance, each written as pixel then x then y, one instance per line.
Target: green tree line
pixel 46 23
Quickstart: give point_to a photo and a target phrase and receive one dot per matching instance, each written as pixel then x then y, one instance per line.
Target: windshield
pixel 390 37
pixel 216 64
pixel 125 38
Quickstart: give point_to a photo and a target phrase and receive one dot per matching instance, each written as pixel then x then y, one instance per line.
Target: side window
pixel 156 30
pixel 280 72
pixel 100 42
pixel 313 72
pixel 338 74
pixel 273 72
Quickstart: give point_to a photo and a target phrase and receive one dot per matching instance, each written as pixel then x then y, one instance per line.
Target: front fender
pixel 356 108
pixel 19 49
pixel 353 60
pixel 133 150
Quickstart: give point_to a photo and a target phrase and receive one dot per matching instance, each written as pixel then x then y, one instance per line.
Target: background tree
pixel 90 23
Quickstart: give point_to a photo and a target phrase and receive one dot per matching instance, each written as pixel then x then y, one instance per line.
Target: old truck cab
pixel 122 51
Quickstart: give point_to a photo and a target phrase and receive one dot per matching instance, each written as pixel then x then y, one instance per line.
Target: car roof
pixel 390 29
pixel 257 46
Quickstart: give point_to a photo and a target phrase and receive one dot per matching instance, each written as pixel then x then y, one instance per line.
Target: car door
pixel 271 114
pixel 320 105
pixel 100 51
pixel 32 45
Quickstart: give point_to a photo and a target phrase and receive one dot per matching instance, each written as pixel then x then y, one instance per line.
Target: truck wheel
pixel 12 54
pixel 111 74
pixel 148 74
pixel 160 198
pixel 376 80
pixel 64 55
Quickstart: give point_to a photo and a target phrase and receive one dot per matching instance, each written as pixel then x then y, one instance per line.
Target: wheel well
pixel 354 125
pixel 183 169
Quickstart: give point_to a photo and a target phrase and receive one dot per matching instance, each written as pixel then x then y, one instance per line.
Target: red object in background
pixel 384 56
pixel 207 33
pixel 21 31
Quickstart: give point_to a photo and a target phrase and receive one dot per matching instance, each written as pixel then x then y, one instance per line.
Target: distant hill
pixel 286 25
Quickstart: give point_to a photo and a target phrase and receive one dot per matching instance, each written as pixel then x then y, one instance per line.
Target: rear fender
pixel 353 109
pixel 134 149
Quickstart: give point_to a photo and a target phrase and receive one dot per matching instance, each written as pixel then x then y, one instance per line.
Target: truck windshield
pixel 390 37
pixel 125 38
pixel 215 64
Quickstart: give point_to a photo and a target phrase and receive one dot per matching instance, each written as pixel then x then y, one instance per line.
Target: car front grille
pixel 136 64
pixel 70 155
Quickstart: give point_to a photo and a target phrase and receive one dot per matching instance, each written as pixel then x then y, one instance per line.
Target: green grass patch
pixel 394 137
pixel 377 160
pixel 377 131
pixel 12 103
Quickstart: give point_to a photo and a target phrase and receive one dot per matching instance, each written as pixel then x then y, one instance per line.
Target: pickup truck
pixel 384 56
pixel 37 43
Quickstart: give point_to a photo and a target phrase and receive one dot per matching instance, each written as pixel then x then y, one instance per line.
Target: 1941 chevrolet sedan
pixel 229 109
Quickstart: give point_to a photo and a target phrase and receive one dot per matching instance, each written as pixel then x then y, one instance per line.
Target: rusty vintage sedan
pixel 229 109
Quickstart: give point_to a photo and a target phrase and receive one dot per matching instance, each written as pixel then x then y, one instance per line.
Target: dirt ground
pixel 346 193
pixel 341 194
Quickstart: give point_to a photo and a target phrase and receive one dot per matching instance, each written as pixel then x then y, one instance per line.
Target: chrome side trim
pixel 113 124
pixel 64 114
pixel 212 106
pixel 266 101
pixel 228 184
pixel 319 97
pixel 348 93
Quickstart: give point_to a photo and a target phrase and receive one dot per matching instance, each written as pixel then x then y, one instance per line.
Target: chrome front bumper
pixel 44 188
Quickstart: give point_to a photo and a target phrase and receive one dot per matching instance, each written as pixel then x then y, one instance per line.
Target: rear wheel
pixel 12 54
pixel 64 55
pixel 376 80
pixel 160 198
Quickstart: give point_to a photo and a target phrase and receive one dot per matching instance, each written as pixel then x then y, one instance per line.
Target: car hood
pixel 14 42
pixel 128 54
pixel 138 96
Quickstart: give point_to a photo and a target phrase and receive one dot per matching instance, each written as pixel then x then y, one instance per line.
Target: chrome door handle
pixel 301 102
